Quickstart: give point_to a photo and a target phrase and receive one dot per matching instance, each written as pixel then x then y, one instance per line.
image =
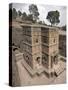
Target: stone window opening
pixel 55 59
pixel 36 40
pixel 44 60
pixel 27 57
pixel 38 59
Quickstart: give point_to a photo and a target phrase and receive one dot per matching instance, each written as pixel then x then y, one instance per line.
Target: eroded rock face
pixel 15 73
pixel 62 45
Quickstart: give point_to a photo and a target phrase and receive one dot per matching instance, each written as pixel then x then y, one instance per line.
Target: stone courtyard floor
pixel 61 79
pixel 42 79
pixel 26 79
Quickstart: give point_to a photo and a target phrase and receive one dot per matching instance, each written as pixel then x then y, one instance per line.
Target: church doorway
pixel 55 59
pixel 38 60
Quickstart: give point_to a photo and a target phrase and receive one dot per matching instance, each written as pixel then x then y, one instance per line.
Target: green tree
pixel 53 17
pixel 30 17
pixel 24 16
pixel 14 13
pixel 19 13
pixel 34 11
pixel 40 22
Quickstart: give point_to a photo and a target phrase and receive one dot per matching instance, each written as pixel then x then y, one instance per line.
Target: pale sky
pixel 43 11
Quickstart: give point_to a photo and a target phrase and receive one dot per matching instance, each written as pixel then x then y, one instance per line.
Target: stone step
pixel 28 68
pixel 19 56
pixel 59 70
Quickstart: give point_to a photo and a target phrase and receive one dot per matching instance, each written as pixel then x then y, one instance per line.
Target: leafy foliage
pixel 30 17
pixel 53 17
pixel 34 12
pixel 24 16
pixel 19 13
pixel 14 13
